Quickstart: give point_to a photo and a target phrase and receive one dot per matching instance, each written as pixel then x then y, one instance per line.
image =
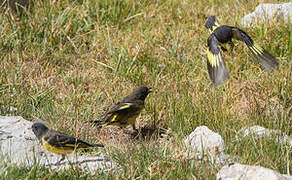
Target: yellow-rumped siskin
pixel 58 142
pixel 224 34
pixel 126 111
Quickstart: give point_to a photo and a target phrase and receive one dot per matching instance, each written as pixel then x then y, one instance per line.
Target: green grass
pixel 38 172
pixel 67 62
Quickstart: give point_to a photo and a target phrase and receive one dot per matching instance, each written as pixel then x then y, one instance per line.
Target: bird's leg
pixel 134 127
pixel 137 132
pixel 62 159
pixel 231 45
pixel 223 49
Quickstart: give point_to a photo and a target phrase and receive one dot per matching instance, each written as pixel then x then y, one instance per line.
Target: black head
pixel 210 22
pixel 39 129
pixel 139 93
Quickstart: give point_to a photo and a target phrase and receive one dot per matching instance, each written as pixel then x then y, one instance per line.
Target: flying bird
pixel 224 34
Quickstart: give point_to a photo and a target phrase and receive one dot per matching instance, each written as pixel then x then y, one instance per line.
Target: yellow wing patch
pixel 70 145
pixel 113 119
pixel 115 115
pixel 127 105
pixel 257 49
pixel 60 150
pixel 214 59
pixel 54 149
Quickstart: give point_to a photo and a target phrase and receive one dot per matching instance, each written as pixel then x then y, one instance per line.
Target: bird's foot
pixel 223 49
pixel 231 45
pixel 62 159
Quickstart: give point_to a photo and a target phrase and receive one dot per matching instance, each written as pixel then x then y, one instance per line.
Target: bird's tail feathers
pixel 267 60
pixel 105 121
pixel 98 123
pixel 211 24
pixel 97 145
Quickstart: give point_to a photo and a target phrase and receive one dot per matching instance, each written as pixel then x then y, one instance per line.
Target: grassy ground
pixel 67 62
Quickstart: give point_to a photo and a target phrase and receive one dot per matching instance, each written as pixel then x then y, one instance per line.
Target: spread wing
pixel 267 60
pixel 216 66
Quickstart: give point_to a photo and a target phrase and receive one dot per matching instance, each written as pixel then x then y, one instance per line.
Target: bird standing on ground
pixel 126 111
pixel 58 142
pixel 224 34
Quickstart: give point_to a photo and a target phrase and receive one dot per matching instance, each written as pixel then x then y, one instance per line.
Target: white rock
pixel 203 140
pixel 290 142
pixel 268 13
pixel 255 130
pixel 284 139
pixel 18 145
pixel 258 131
pixel 239 171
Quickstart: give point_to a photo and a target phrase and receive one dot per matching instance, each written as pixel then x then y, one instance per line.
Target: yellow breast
pixel 53 149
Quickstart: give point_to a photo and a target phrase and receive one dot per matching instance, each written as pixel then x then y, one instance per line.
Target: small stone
pixel 12 109
pixel 235 171
pixel 255 130
pixel 261 132
pixel 203 140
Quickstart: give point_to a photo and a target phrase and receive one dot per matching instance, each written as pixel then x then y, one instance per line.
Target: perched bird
pixel 224 34
pixel 126 111
pixel 58 142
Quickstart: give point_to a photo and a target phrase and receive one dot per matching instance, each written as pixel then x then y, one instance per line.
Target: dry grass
pixel 67 62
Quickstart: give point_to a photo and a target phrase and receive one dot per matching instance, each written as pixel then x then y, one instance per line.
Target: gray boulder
pixel 239 171
pixel 18 145
pixel 269 13
pixel 206 142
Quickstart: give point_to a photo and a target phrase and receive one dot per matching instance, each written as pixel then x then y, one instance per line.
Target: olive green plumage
pixel 125 112
pixel 57 142
pixel 224 34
